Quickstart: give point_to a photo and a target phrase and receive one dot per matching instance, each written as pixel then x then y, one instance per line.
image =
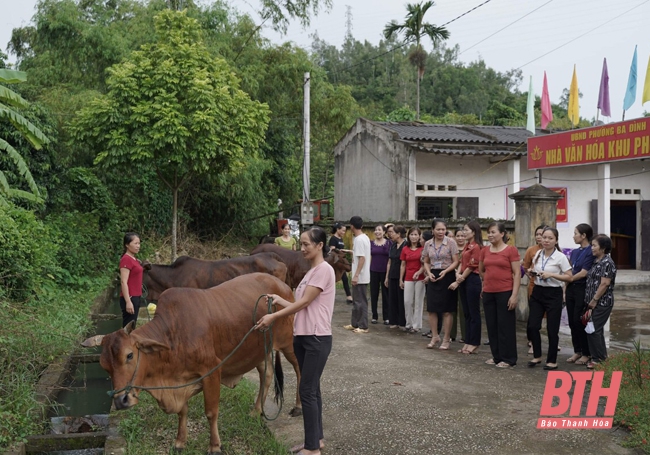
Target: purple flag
pixel 603 95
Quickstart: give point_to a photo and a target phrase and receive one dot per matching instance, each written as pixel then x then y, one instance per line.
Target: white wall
pixel 471 175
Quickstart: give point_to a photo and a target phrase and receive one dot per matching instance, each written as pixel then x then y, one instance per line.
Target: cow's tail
pixel 279 379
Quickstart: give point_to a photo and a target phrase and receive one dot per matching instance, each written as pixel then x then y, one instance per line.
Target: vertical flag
pixel 646 86
pixel 530 108
pixel 574 105
pixel 547 112
pixel 603 94
pixel 630 93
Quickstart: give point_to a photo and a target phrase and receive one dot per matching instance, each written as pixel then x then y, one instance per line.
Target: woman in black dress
pixel 397 316
pixel 440 262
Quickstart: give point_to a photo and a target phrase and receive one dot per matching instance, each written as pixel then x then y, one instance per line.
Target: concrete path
pixel 384 393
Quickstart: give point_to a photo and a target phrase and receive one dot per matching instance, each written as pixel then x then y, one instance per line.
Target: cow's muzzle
pixel 125 401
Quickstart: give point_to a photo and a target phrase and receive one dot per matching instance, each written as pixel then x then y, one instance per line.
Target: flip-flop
pixel 574 358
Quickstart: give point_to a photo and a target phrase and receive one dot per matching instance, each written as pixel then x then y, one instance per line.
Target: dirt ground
pixel 384 393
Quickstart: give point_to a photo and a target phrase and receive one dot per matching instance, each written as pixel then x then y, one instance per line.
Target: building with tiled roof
pixel 415 171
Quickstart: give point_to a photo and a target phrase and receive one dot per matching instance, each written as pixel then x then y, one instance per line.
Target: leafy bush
pixel 27 253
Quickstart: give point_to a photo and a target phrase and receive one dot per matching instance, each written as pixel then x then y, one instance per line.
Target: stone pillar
pixel 534 206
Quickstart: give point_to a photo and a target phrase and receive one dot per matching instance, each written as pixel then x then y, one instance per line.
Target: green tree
pixel 174 107
pixel 414 28
pixel 10 101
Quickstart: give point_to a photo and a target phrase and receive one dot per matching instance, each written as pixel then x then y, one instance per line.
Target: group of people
pixel 405 266
pixel 454 271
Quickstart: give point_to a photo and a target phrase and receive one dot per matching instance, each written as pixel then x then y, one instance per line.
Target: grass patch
pixel 38 332
pixel 633 406
pixel 149 431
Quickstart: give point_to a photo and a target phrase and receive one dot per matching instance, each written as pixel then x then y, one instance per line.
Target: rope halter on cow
pixel 268 344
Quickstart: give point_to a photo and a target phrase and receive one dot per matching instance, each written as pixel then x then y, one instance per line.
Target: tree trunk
pixel 174 223
pixel 417 105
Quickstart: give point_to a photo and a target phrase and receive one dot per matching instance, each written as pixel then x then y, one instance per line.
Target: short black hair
pixel 604 242
pixel 356 222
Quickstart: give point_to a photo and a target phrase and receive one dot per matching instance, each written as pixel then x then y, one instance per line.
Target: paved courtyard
pixel 384 393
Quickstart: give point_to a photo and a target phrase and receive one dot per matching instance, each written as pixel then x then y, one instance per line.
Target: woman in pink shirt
pixel 312 332
pixel 130 279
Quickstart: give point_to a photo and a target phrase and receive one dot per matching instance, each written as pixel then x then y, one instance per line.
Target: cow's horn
pixel 93 341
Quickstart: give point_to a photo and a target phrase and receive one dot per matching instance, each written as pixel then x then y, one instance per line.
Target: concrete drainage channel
pixel 77 386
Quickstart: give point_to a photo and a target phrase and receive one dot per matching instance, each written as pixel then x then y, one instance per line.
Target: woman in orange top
pixel 500 268
pixel 469 284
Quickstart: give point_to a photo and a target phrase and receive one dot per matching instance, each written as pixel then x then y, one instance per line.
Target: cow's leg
pixel 211 395
pixel 181 435
pixel 257 408
pixel 265 383
pixel 291 358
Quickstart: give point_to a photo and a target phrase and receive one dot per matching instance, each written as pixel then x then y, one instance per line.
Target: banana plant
pixel 10 101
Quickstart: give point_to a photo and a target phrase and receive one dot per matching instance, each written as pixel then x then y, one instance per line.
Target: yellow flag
pixel 574 106
pixel 646 86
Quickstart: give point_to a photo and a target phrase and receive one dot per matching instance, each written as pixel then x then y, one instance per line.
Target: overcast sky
pixel 583 31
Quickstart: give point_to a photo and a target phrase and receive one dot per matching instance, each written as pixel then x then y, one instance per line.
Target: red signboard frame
pixel 619 141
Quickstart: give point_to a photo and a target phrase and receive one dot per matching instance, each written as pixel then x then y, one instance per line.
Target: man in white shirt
pixel 360 277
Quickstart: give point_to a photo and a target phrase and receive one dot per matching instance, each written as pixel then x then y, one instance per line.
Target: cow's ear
pixel 146 265
pixel 147 345
pixel 129 327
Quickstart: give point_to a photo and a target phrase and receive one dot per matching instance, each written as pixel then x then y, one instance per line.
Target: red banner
pixel 599 144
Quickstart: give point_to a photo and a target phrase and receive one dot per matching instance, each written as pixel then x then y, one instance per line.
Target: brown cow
pixel 187 272
pixel 192 332
pixel 298 266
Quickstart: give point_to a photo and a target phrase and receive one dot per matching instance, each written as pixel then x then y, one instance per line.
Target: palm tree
pixel 414 28
pixel 8 101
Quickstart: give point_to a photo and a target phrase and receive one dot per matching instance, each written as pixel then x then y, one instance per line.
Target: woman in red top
pixel 131 279
pixel 411 276
pixel 500 268
pixel 469 284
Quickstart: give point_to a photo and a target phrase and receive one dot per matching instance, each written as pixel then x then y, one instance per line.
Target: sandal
pixel 472 349
pixel 490 362
pixel 583 360
pixel 299 447
pixel 433 342
pixel 573 358
pixel 504 365
pixel 444 346
pixel 591 365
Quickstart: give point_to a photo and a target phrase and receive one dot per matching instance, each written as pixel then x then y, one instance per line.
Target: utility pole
pixel 307 211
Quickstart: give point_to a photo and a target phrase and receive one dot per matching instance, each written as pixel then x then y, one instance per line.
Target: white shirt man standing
pixel 360 277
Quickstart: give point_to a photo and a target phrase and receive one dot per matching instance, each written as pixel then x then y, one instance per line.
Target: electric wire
pixel 503 28
pixel 583 34
pixel 406 42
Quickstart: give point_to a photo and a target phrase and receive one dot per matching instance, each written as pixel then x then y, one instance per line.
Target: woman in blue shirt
pixel 581 261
